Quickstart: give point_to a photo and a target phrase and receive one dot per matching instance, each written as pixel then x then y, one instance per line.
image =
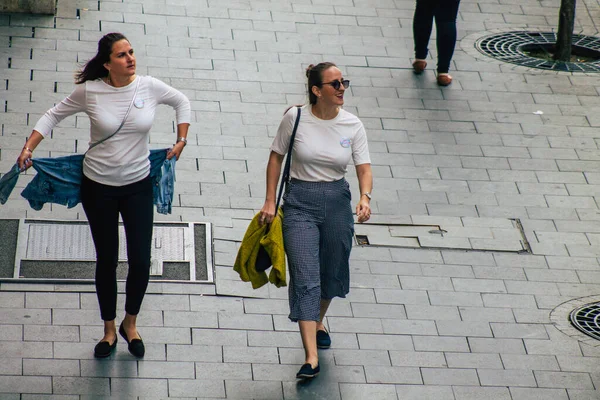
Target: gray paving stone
pixel 440 298
pixel 511 274
pixel 449 376
pixel 508 300
pixel 198 353
pixel 26 349
pixel 426 283
pixel 531 316
pixel 108 369
pixel 12 366
pixel 82 386
pixel 25 384
pixel 44 333
pixel 472 393
pixel 530 362
pixel 395 375
pixel 575 394
pixel 220 337
pixel 440 343
pixel 360 391
pixel 479 285
pixel 383 342
pixel 470 328
pixel 533 287
pixel 538 393
pixel 571 380
pixel 432 312
pixel 516 377
pixel 51 300
pixel 558 344
pixel 409 327
pixel 471 360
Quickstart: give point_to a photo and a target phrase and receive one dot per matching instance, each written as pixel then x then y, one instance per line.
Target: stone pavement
pixel 440 323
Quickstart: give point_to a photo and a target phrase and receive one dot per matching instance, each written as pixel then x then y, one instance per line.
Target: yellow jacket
pixel 273 244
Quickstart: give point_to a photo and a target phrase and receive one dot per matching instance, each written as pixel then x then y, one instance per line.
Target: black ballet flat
pixel 136 346
pixel 323 340
pixel 104 349
pixel 308 372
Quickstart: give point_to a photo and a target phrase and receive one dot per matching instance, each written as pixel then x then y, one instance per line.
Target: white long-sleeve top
pixel 122 159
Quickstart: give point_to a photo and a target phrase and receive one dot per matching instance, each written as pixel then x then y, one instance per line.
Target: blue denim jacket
pixel 58 180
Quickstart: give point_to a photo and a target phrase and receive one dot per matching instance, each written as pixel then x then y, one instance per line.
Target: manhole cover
pixel 512 47
pixel 587 319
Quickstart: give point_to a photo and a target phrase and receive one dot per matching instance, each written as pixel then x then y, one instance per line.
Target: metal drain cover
pixel 53 250
pixel 587 319
pixel 508 47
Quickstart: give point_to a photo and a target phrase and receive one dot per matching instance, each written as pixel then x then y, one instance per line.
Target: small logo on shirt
pixel 345 142
pixel 138 103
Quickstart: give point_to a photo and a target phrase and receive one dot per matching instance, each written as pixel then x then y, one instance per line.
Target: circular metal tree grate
pixel 587 319
pixel 511 46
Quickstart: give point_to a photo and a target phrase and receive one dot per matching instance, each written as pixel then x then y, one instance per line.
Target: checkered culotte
pixel 318 227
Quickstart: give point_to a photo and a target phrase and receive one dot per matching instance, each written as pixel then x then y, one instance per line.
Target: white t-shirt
pixel 322 148
pixel 122 159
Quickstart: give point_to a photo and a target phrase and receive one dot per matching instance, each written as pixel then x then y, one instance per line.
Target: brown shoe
pixel 444 79
pixel 419 66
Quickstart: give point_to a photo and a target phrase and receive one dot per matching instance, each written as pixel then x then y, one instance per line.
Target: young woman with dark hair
pixel 318 225
pixel 121 106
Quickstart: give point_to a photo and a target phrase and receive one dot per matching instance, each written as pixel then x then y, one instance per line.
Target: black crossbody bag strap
pixel 288 162
pixel 122 122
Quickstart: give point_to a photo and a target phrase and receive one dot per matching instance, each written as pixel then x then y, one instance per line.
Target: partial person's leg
pixel 137 211
pixel 445 24
pixel 337 232
pixel 302 247
pixel 422 26
pixel 323 338
pixel 324 305
pixel 102 213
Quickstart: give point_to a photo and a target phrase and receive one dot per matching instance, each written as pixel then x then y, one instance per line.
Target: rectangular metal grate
pixel 59 250
pixel 493 235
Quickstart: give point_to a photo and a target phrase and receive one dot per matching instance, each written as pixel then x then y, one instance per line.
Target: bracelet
pixel 181 139
pixel 28 149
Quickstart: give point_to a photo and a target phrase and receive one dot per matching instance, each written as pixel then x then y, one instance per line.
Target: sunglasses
pixel 336 84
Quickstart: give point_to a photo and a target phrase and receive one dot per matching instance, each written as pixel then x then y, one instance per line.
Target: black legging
pixel 102 205
pixel 444 12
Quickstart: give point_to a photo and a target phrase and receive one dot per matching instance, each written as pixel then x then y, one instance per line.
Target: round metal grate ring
pixel 587 319
pixel 509 47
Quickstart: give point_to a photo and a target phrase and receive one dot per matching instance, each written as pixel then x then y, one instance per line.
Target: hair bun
pixel 308 69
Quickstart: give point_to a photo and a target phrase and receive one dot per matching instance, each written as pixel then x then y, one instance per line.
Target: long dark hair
pixel 94 68
pixel 314 73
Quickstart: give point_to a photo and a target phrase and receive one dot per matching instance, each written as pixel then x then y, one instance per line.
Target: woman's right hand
pixel 24 159
pixel 267 213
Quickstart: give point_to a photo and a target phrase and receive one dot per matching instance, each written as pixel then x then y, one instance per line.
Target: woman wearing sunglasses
pixel 318 225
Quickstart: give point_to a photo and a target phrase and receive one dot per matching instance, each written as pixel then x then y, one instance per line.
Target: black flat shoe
pixel 135 346
pixel 104 349
pixel 323 340
pixel 307 371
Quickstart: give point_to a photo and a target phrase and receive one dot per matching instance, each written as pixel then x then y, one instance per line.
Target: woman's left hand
pixel 363 209
pixel 175 150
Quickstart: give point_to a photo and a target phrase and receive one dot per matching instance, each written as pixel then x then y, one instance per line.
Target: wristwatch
pixel 182 139
pixel 367 194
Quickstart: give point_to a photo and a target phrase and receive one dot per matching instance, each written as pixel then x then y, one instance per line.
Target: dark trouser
pixel 317 232
pixel 444 12
pixel 102 205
